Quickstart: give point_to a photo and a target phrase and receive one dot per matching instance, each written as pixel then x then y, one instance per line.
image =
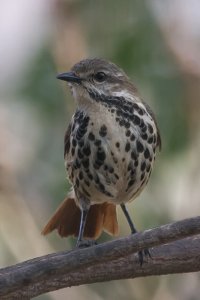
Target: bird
pixel 110 147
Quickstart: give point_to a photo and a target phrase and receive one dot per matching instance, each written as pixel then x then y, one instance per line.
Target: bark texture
pixel 176 249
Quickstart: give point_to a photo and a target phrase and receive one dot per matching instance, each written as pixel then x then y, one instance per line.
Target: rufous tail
pixel 67 217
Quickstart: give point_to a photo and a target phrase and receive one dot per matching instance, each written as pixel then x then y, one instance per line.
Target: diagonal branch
pixel 108 261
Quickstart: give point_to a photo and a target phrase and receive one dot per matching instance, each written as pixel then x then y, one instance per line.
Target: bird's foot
pixel 85 243
pixel 143 253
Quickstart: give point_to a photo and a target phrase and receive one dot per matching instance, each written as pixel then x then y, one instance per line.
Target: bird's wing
pixel 67 140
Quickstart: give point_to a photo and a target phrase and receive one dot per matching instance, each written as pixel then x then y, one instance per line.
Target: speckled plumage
pixel 110 143
pixel 113 155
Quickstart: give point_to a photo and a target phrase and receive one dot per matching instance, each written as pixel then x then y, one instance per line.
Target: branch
pixel 108 261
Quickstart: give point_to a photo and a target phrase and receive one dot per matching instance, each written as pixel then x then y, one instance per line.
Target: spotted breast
pixel 111 159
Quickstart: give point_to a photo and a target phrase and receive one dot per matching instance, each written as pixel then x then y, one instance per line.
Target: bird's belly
pixel 111 164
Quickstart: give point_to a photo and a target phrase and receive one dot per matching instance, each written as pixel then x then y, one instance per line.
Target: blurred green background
pixel 157 44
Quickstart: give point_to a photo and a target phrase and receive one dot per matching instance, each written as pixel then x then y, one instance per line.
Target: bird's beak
pixel 69 77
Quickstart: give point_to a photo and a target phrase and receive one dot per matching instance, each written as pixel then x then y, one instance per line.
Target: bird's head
pixel 96 79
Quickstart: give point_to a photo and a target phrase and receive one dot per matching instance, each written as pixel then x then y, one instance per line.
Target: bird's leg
pixel 84 213
pixel 133 231
pixel 85 206
pixel 128 218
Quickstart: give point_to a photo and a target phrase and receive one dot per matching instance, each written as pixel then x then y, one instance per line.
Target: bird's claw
pixel 143 253
pixel 85 243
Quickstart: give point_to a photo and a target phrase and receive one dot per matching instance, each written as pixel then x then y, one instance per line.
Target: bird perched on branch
pixel 109 150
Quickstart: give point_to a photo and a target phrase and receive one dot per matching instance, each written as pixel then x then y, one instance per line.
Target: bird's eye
pixel 100 76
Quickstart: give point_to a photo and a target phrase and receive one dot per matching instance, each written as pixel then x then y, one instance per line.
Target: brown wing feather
pixel 101 217
pixel 67 220
pixel 110 223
